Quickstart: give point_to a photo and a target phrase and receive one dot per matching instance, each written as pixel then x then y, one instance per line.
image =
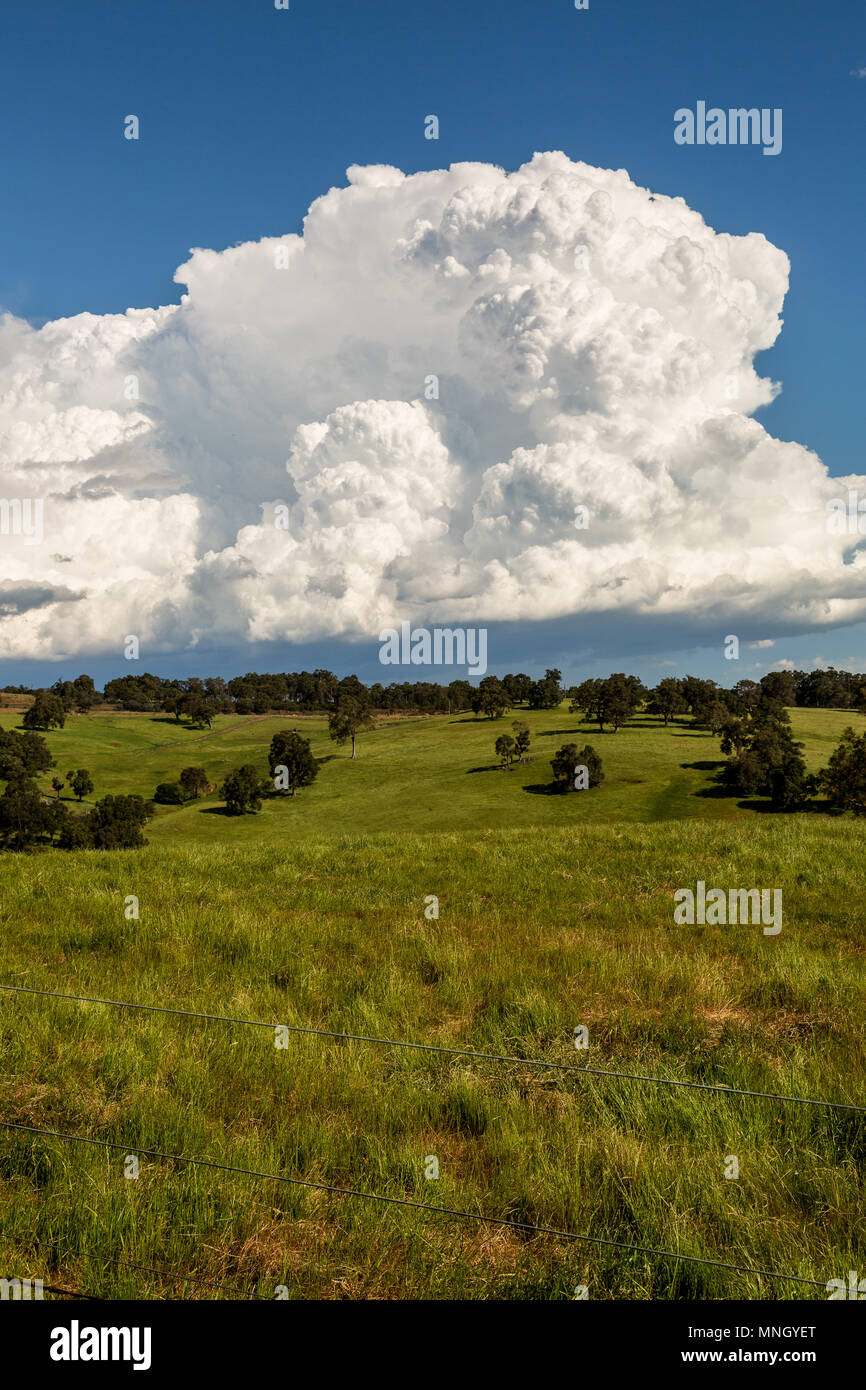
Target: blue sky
pixel 248 114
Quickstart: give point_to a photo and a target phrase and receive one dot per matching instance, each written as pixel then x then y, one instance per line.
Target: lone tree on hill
pixel 348 720
pixel 242 791
pixel 291 761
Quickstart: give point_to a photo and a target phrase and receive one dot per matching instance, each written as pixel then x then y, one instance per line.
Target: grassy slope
pixel 541 928
pixel 418 774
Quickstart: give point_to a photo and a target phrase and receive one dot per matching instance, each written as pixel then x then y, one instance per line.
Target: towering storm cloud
pixel 463 395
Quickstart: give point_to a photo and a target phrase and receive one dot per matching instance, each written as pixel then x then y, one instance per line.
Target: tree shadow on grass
pixel 582 730
pixel 544 789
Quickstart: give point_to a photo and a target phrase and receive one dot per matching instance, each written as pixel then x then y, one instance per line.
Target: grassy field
pixel 554 912
pixel 420 774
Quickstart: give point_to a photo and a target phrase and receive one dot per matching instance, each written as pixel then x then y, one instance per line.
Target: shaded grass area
pixel 539 930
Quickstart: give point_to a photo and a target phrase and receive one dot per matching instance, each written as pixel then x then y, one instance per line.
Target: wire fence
pixel 527 1228
pixel 524 1226
pixel 715 1087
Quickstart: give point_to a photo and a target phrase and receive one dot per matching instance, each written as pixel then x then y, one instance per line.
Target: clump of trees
pixel 491 698
pixel 546 693
pixel 764 759
pixel 190 785
pixel 576 769
pixel 242 791
pixel 291 761
pixel 79 695
pixel 613 701
pixel 513 749
pixel 115 822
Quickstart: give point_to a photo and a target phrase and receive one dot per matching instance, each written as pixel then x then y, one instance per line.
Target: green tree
pixel 81 782
pixel 588 699
pixel 698 693
pixel 667 699
pixel 460 695
pixel 22 815
pixel 193 783
pixel 291 761
pixel 116 822
pixel 242 791
pixel 23 755
pixel 168 794
pixel 521 737
pixel 518 687
pixel 58 784
pixel 506 749
pixel 491 698
pixel 46 712
pixel 55 817
pixel 84 692
pixel 569 759
pixel 780 686
pixel 621 697
pixel 199 711
pixel 172 703
pixel 348 720
pixel 563 763
pixel 766 760
pixel 546 693
pixel 75 833
pixel 843 781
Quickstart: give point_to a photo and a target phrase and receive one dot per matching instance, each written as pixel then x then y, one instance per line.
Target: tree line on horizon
pixel 198 701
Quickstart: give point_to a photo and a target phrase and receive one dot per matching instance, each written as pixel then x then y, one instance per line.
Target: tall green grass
pixel 539 930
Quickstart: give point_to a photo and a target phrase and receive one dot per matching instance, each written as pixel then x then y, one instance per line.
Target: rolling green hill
pixel 424 774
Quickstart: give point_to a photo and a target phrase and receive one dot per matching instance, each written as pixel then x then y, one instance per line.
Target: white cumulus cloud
pixel 437 379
